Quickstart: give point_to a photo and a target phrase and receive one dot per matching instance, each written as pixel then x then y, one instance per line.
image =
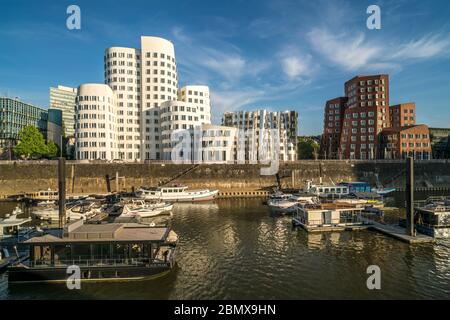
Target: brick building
pixel 406 141
pixel 356 126
pixel 402 115
pixel 334 113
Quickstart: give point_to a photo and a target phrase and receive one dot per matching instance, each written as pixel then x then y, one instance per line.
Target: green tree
pixel 31 143
pixel 307 148
pixel 52 150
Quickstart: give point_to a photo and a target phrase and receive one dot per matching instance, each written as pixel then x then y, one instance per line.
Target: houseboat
pixel 327 217
pixel 433 219
pixel 176 194
pixel 103 252
pixel 11 226
pixel 327 191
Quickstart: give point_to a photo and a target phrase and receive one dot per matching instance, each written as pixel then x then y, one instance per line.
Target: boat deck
pixel 394 231
pixel 399 233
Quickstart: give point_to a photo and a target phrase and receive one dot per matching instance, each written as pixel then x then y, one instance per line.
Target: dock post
pixel 73 178
pixel 410 196
pixel 108 183
pixel 62 190
pixel 117 181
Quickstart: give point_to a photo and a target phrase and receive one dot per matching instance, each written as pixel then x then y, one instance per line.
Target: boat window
pixel 332 190
pixel 320 189
pixel 338 190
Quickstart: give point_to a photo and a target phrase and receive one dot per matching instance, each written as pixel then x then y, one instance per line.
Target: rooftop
pixel 111 232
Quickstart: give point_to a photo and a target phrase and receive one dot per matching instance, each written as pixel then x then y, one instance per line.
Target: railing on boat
pixel 98 262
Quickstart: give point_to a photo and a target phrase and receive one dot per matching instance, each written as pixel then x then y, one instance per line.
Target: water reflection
pixel 235 249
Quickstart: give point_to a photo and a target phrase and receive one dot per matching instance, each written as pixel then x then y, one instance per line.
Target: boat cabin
pixel 327 215
pixel 48 194
pixel 11 226
pixel 357 187
pixel 434 220
pixel 100 245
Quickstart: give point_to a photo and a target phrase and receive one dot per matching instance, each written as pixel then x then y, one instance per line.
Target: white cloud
pixel 351 53
pixel 231 66
pixel 295 66
pixel 425 47
pixel 354 52
pixel 231 100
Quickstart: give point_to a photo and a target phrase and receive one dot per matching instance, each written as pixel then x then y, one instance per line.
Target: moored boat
pixel 288 205
pixel 79 210
pixel 176 194
pixel 102 252
pixel 144 210
pixel 327 191
pixel 11 225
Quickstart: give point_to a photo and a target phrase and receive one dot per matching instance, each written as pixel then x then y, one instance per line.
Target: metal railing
pixel 96 262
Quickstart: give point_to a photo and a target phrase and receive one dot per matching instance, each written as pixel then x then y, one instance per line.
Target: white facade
pixel 218 144
pixel 149 106
pixel 254 123
pixel 159 84
pixel 95 129
pixel 189 112
pixel 142 79
pixel 123 75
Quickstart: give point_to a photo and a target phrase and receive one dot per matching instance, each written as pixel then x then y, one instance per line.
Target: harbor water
pixel 236 249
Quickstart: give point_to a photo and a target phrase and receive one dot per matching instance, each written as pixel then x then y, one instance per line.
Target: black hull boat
pixel 95 274
pixel 97 252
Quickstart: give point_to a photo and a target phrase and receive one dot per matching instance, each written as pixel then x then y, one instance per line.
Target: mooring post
pixel 410 196
pixel 62 190
pixel 117 181
pixel 108 183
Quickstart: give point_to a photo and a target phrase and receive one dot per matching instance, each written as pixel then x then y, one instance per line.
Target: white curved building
pixel 95 129
pixel 149 106
pixel 123 75
pixel 189 112
pixel 159 84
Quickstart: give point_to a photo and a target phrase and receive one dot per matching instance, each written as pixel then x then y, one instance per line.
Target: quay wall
pixel 82 178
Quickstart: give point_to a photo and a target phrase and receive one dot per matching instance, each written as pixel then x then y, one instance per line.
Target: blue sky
pixel 254 53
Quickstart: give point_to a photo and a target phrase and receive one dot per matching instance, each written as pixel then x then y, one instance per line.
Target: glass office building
pixel 14 116
pixel 63 98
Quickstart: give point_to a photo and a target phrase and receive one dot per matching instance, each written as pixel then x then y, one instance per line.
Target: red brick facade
pixel 402 115
pixel 353 124
pixel 334 113
pixel 407 141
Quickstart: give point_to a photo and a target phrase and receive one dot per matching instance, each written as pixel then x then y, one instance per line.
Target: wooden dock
pixel 394 231
pixel 399 233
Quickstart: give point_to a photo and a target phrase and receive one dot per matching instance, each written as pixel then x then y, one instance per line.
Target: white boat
pixel 10 226
pixel 326 191
pixel 140 212
pixel 76 212
pixel 44 195
pixel 167 206
pixel 177 194
pixel 384 191
pixel 288 205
